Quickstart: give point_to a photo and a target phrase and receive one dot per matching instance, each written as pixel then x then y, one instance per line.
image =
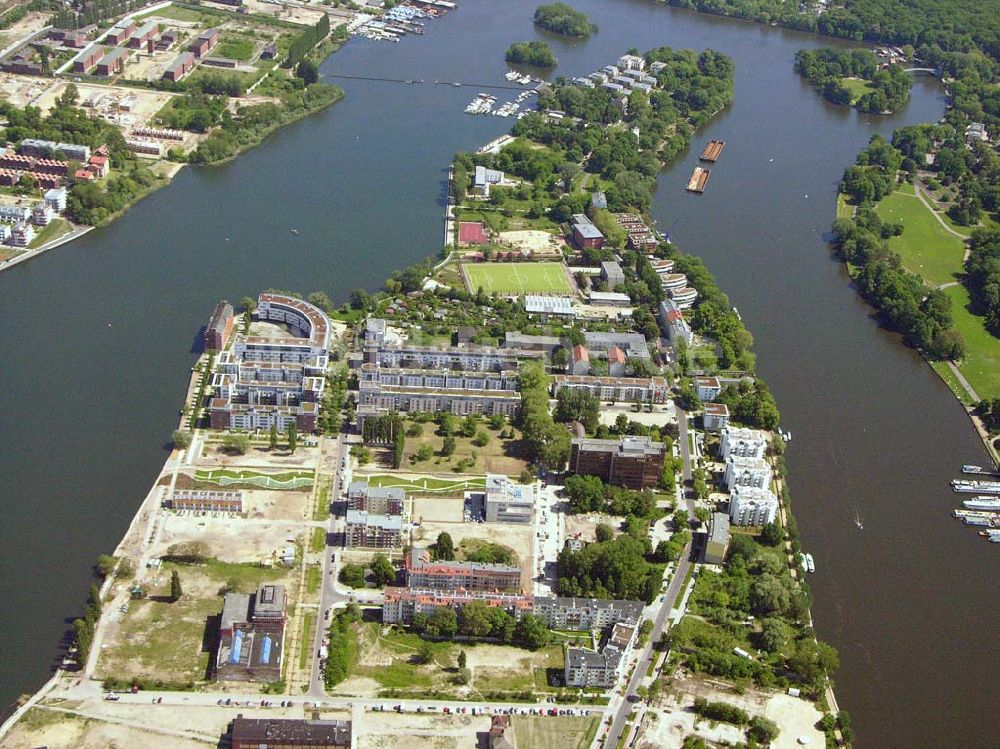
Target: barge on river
pixel 699 178
pixel 713 150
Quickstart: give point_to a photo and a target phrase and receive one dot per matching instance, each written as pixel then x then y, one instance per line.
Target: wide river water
pixel 98 338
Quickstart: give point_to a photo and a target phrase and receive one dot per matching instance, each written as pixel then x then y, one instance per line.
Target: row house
pixel 616 389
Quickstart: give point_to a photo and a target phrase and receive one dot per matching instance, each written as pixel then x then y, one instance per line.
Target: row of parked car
pixel 554 711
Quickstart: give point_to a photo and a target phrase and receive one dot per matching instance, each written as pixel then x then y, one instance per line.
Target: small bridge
pixel 933 71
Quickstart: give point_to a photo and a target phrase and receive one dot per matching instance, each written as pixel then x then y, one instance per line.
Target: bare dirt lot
pixel 530 239
pixel 229 539
pixel 259 456
pixel 438 509
pixel 410 731
pixel 584 527
pixel 673 719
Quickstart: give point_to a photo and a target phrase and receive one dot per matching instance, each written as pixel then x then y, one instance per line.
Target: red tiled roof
pixel 580 353
pixel 615 354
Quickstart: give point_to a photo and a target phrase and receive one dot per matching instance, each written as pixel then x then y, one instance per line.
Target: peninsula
pixel 535 490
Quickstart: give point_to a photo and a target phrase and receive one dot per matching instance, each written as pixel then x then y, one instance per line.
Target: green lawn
pixel 857 86
pixel 313 576
pixel 556 733
pixel 285 480
pixel 517 278
pixel 981 365
pixel 925 246
pixel 428 485
pixel 308 632
pixel 235 48
pixel 57 228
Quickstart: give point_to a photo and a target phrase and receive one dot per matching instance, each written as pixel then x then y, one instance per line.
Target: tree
pixel 182 438
pixel 175 585
pixel 461 659
pixel 425 653
pixel 352 575
pixel 443 623
pixel 773 635
pixel 414 430
pixel 531 632
pixel 771 534
pixel 236 443
pixel 444 547
pixel 69 97
pixel 477 620
pixel 248 304
pixel 448 446
pixel 424 452
pixel 274 436
pixel 604 532
pixel 293 436
pixel 383 573
pixel 482 439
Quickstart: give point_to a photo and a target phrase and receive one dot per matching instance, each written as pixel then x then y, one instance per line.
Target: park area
pixel 926 247
pixel 858 88
pixel 511 279
pixel 981 364
pixel 424 451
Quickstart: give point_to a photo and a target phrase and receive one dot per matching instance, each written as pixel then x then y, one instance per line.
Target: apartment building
pixel 380 500
pixel 369 530
pixel 424 574
pixel 751 505
pixel 743 443
pixel 634 462
pixel 715 417
pixel 200 500
pixel 707 388
pixel 585 613
pixel 274 380
pixel 754 472
pixel 399 605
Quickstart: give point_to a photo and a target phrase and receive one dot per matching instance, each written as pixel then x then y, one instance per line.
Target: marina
pixel 964 486
pixel 699 179
pixel 403 19
pixel 713 150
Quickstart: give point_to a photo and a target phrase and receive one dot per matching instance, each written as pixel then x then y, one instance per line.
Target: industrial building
pixel 220 327
pixel 289 733
pixel 251 635
pixel 203 500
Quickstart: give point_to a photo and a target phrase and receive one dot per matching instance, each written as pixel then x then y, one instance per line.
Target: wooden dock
pixel 713 150
pixel 699 178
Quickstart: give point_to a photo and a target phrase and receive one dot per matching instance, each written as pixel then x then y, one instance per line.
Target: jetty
pixel 699 178
pixel 713 150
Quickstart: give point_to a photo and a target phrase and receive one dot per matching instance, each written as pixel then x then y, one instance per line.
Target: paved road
pixel 674 591
pixel 328 594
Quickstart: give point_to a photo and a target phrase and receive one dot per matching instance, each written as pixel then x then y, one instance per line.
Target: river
pixel 98 337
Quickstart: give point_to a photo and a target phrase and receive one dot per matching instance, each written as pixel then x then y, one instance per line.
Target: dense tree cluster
pixel 574 404
pixel 983 276
pixel 538 54
pixel 904 303
pixel 546 442
pixel 560 18
pixel 826 69
pixel 752 404
pixel 342 646
pixel 590 494
pixel 304 42
pixel 616 568
pixel 254 121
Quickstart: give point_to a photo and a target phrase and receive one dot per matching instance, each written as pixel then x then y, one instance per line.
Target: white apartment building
pixel 754 472
pixel 749 505
pixel 743 443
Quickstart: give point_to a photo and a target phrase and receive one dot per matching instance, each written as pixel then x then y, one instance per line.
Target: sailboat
pixel 857 520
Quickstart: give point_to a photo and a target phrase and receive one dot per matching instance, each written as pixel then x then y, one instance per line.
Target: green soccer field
pixel 517 278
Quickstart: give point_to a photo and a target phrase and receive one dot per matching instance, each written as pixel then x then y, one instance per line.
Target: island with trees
pixel 538 54
pixel 855 78
pixel 560 18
